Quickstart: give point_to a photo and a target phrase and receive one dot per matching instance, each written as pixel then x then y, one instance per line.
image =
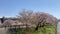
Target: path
pixel 3 31
pixel 58 28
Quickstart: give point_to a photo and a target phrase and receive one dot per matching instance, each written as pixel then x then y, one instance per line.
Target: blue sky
pixel 12 7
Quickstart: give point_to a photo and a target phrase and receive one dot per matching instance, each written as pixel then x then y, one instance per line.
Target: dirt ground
pixel 3 31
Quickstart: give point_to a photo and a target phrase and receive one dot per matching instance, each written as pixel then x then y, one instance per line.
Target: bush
pixel 20 31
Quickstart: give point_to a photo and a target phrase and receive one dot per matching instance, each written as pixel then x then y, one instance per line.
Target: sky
pixel 11 8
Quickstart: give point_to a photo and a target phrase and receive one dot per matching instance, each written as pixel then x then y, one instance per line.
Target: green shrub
pixel 21 31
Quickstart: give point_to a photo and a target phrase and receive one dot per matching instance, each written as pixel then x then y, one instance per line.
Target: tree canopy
pixel 40 19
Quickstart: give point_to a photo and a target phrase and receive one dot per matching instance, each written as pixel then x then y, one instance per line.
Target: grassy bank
pixel 48 29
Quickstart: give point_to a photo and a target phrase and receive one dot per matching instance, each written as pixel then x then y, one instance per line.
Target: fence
pixel 12 28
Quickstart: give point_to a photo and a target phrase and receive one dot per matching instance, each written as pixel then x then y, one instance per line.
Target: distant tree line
pixel 40 19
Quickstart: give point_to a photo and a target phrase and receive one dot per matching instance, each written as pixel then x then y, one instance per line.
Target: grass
pixel 48 29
